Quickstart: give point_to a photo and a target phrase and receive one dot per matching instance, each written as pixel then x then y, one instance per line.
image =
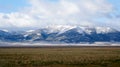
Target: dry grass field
pixel 60 57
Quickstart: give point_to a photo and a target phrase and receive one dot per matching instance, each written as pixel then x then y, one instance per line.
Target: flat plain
pixel 77 56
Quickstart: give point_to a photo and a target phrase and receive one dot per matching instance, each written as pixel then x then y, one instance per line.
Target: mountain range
pixel 63 34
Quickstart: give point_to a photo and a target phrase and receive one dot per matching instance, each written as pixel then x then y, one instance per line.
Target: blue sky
pixel 7 6
pixel 116 3
pixel 44 12
pixel 15 5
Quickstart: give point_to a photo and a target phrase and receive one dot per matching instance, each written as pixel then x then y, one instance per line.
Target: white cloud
pixel 45 12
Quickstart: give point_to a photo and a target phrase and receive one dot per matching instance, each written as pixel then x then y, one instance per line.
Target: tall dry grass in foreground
pixel 60 57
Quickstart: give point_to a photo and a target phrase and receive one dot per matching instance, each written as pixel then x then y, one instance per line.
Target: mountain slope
pixel 64 34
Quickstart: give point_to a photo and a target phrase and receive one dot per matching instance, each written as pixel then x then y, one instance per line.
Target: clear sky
pixel 116 3
pixel 35 13
pixel 7 6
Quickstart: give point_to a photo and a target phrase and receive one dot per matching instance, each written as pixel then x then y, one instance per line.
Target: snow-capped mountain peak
pixel 59 28
pixel 87 29
pixel 98 30
pixel 64 33
pixel 104 30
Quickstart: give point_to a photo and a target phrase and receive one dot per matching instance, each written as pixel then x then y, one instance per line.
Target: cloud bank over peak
pixel 48 12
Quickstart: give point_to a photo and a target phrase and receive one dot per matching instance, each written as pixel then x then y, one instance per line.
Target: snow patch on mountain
pixel 5 30
pixel 98 30
pixel 104 30
pixel 87 29
pixel 30 31
pixel 59 28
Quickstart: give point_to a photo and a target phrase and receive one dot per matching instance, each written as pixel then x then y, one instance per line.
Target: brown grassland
pixel 60 57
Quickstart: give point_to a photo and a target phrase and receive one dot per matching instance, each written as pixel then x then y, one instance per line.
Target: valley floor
pixel 60 56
